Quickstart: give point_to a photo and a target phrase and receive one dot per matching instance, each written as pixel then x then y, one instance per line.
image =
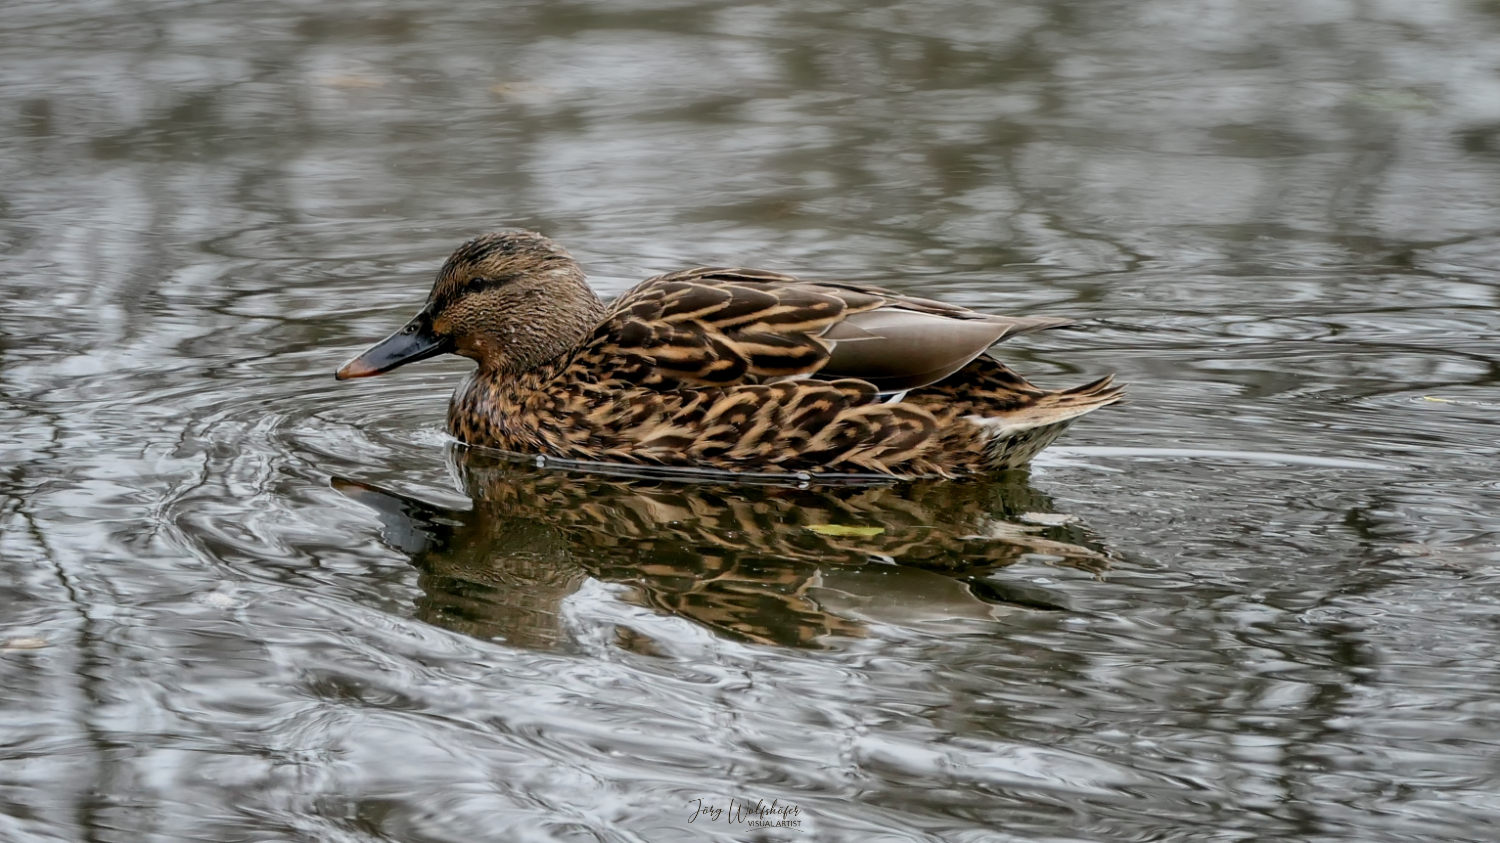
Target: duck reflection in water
pixel 766 563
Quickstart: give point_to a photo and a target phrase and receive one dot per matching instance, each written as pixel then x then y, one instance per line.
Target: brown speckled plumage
pixel 728 368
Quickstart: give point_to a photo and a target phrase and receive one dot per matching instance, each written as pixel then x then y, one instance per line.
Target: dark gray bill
pixel 414 342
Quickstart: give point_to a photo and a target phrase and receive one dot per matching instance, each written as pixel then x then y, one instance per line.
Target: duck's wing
pixel 721 327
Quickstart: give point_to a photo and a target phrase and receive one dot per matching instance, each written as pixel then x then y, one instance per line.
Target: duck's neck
pixel 499 407
pixel 495 410
pixel 551 327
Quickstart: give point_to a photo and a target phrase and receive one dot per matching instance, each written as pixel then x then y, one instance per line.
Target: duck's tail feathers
pixel 1027 324
pixel 1053 407
pixel 1016 436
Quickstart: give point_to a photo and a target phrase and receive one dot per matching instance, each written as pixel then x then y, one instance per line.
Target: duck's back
pixel 724 327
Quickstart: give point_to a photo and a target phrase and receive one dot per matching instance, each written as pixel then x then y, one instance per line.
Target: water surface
pixel 1259 601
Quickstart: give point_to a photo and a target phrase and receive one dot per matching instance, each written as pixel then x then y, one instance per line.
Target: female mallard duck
pixel 737 369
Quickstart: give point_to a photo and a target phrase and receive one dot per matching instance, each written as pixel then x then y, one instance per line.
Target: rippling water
pixel 1259 601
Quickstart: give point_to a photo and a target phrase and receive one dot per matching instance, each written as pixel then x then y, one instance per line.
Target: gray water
pixel 1260 601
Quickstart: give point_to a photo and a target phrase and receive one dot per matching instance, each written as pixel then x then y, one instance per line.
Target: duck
pixel 731 369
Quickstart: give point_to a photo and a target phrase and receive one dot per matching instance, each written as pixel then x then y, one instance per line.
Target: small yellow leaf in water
pixel 1439 400
pixel 845 530
pixel 1390 100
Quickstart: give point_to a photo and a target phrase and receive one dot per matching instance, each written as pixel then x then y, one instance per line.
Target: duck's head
pixel 511 300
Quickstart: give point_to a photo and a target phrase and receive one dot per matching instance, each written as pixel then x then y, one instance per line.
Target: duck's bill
pixel 414 342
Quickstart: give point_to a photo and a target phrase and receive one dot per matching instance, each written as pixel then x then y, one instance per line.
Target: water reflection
pixel 763 563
